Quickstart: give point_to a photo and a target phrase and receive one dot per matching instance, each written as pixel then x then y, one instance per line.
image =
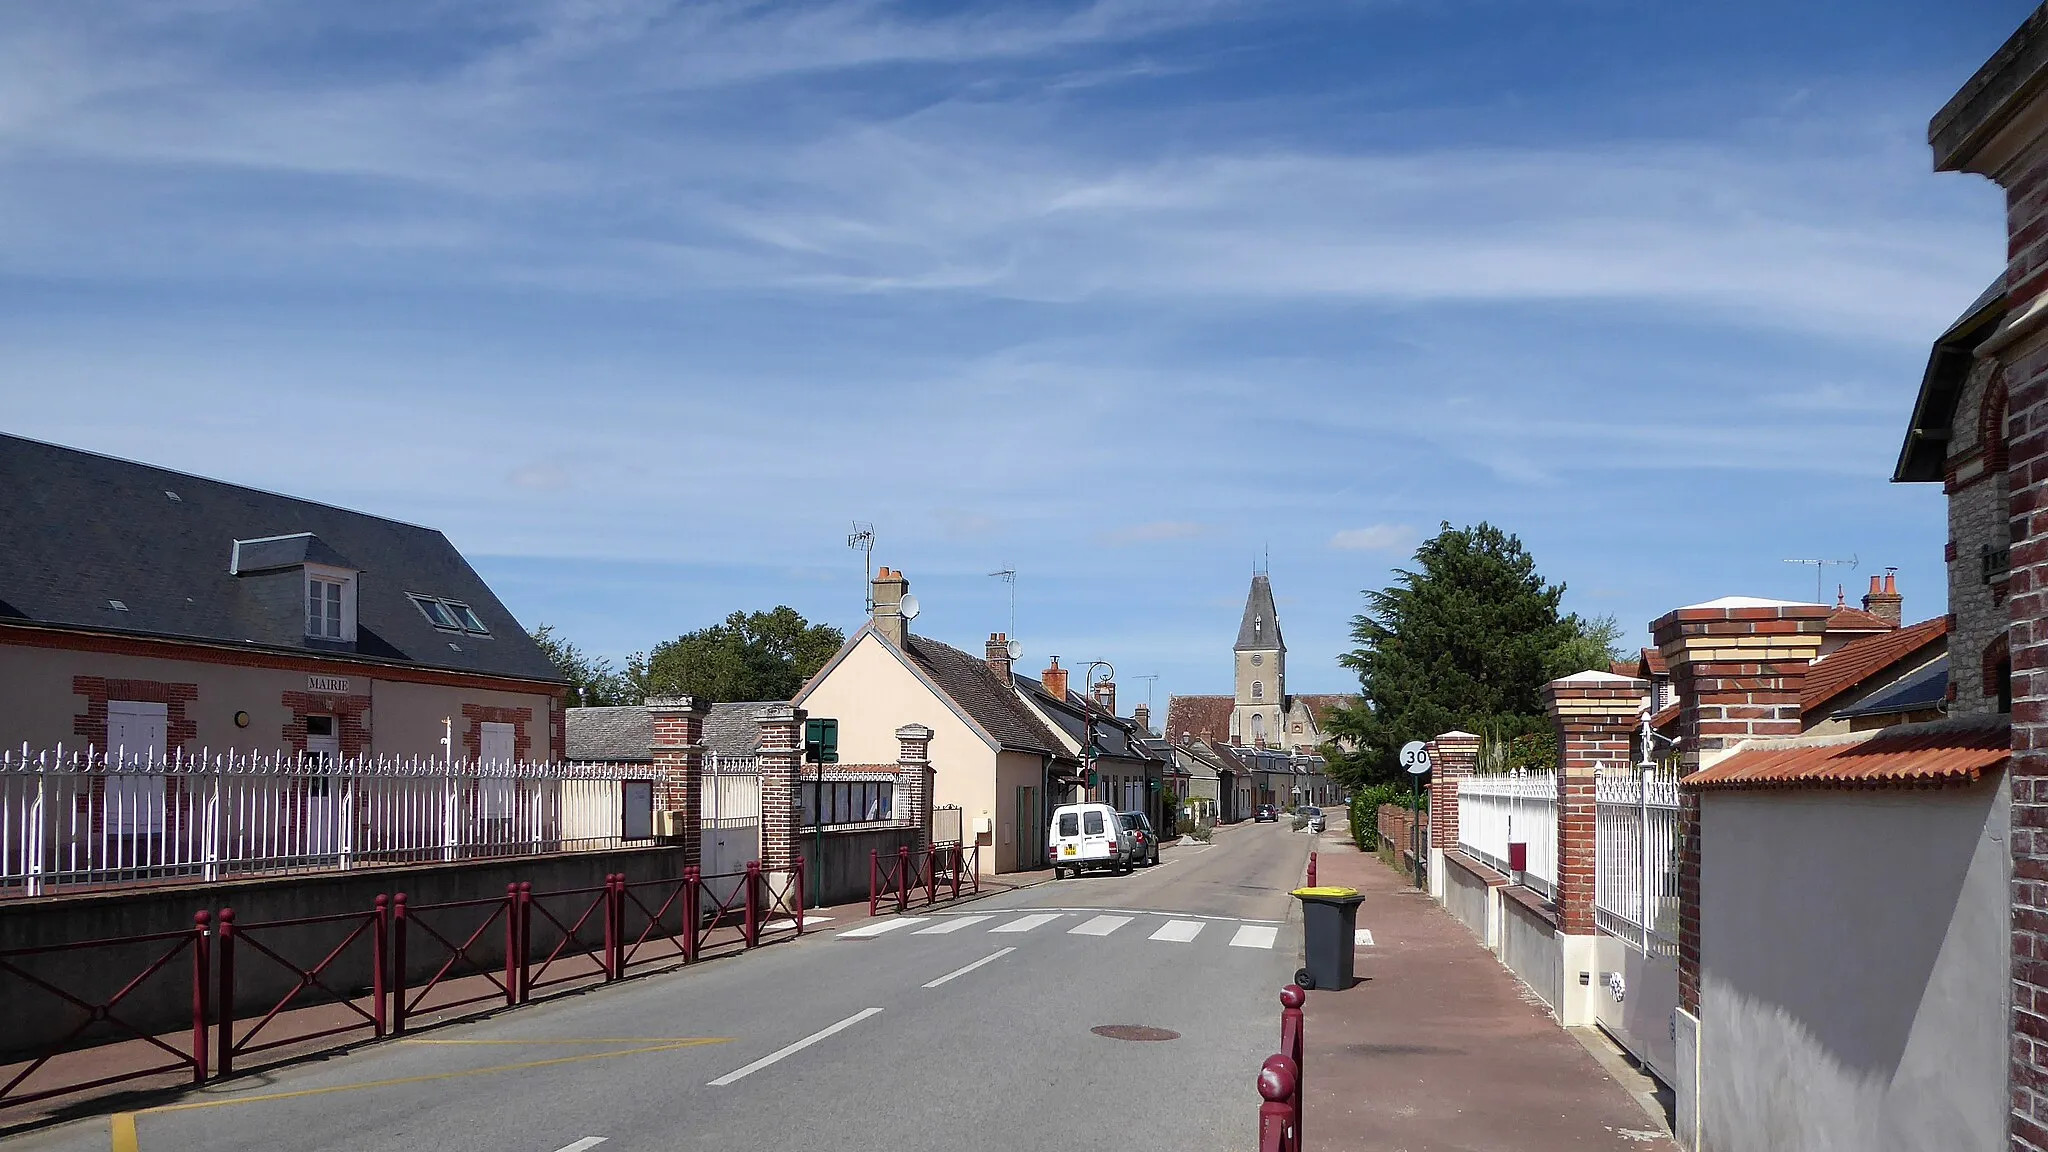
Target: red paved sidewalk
pixel 1439 1047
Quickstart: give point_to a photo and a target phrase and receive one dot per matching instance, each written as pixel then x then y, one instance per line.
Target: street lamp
pixel 1089 750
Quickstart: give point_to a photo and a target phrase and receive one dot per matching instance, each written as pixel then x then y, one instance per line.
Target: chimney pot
pixel 1884 600
pixel 888 590
pixel 1055 680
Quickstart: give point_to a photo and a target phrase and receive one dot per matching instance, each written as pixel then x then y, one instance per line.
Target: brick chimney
pixel 1104 693
pixel 1883 599
pixel 1143 715
pixel 997 654
pixel 889 588
pixel 1055 680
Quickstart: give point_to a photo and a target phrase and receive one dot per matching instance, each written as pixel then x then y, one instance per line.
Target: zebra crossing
pixel 1155 927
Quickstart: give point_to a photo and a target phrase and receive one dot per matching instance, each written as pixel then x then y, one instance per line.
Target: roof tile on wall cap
pixel 1909 755
pixel 1857 620
pixel 1856 662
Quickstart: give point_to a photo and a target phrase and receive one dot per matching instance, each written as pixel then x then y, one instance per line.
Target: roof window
pixel 467 617
pixel 452 615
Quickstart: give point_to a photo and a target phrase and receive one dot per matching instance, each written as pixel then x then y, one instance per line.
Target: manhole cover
pixel 1134 1032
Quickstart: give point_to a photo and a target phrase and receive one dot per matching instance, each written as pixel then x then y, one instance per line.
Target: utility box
pixel 982 825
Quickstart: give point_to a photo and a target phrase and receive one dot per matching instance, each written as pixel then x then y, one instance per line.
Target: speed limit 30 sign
pixel 1415 757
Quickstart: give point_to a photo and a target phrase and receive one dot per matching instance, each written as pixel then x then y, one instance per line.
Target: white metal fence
pixel 87 817
pixel 1636 876
pixel 1518 807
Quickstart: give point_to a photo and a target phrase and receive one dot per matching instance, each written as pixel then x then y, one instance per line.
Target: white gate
pixel 1636 908
pixel 730 822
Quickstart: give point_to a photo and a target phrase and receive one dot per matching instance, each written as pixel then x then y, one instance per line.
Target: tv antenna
pixel 1819 568
pixel 862 539
pixel 1151 679
pixel 1008 575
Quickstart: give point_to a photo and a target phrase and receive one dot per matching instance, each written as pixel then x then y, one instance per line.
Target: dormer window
pixel 330 603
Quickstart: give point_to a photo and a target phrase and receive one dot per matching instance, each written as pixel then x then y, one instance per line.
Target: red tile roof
pixel 1199 715
pixel 1623 667
pixel 1859 661
pixel 1907 756
pixel 1666 719
pixel 1651 663
pixel 1321 705
pixel 1857 620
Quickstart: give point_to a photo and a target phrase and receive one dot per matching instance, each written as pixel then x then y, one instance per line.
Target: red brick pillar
pixel 1452 757
pixel 1595 714
pixel 1738 665
pixel 914 780
pixel 781 756
pixel 679 768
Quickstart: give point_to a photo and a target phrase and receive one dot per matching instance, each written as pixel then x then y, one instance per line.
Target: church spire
pixel 1260 630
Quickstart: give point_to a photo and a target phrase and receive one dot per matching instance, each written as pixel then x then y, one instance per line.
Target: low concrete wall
pixel 1854 960
pixel 1468 896
pixel 163 1003
pixel 840 874
pixel 1640 1018
pixel 1529 945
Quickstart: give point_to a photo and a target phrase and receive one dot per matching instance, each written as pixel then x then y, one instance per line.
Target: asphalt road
pixel 965 1028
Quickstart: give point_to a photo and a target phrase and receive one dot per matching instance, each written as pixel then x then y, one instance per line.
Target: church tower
pixel 1260 709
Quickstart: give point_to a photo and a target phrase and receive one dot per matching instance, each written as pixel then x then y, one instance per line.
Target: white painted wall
pixel 1854 962
pixel 1529 947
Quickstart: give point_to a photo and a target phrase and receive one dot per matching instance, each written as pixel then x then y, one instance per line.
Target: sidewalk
pixel 1438 1047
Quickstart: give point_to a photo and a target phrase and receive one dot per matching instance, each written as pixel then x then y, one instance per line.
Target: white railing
pixel 1518 807
pixel 87 817
pixel 1636 875
pixel 731 792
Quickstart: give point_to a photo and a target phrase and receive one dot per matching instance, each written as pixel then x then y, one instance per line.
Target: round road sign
pixel 1415 757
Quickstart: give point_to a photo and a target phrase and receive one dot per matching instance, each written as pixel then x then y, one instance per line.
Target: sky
pixel 644 303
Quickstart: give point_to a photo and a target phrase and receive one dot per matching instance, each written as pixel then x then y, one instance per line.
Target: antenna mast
pixel 1820 566
pixel 1008 575
pixel 1151 680
pixel 862 539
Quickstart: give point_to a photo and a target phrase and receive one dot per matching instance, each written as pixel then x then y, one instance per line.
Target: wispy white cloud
pixel 1376 538
pixel 1154 532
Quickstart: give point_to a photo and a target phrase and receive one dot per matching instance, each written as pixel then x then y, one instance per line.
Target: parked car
pixel 1314 814
pixel 1147 850
pixel 1088 836
pixel 1266 812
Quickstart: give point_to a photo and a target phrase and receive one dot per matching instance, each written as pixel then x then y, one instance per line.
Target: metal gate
pixel 731 823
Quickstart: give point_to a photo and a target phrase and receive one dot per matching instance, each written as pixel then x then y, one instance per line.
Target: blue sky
pixel 642 303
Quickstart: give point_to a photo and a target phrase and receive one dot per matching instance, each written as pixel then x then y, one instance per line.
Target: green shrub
pixel 1365 810
pixel 1300 822
pixel 1203 831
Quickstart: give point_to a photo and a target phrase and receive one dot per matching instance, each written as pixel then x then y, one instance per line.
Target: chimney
pixel 1105 695
pixel 1055 680
pixel 889 588
pixel 1143 715
pixel 997 655
pixel 1883 599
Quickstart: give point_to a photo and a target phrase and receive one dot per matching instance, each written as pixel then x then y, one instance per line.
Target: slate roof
pixel 1194 715
pixel 972 686
pixel 1856 663
pixel 1115 735
pixel 1909 755
pixel 1916 691
pixel 1259 610
pixel 84 530
pixel 626 733
pixel 1924 455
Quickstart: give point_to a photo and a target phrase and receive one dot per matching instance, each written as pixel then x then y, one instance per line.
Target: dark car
pixel 1267 812
pixel 1148 841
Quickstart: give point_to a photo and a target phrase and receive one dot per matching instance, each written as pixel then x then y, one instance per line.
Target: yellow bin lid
pixel 1326 890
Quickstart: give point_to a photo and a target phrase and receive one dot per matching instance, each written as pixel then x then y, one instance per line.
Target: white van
pixel 1087 836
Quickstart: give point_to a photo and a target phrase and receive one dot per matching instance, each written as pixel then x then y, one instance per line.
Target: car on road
pixel 1266 812
pixel 1087 836
pixel 1147 849
pixel 1314 814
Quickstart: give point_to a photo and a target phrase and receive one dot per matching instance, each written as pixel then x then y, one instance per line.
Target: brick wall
pixel 1595 715
pixel 1452 756
pixel 1397 829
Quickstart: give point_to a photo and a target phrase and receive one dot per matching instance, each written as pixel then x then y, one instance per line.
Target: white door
pixel 136 733
pixel 323 750
pixel 494 793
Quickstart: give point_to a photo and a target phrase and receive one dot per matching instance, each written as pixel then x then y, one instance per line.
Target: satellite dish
pixel 1014 649
pixel 909 608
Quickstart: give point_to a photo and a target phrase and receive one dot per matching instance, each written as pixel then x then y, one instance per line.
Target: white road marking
pixel 1254 936
pixel 1099 926
pixel 953 925
pixel 583 1145
pixel 989 959
pixel 811 919
pixel 1179 931
pixel 1361 938
pixel 1134 912
pixel 880 926
pixel 791 1050
pixel 1027 923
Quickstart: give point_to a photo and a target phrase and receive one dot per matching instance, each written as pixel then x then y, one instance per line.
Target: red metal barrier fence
pixel 1280 1080
pixel 587 934
pixel 913 879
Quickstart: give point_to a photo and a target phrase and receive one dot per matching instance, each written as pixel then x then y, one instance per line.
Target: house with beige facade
pixel 162 613
pixel 992 756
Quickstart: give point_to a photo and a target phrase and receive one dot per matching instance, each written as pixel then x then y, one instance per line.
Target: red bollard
pixel 380 939
pixel 1276 1115
pixel 1311 869
pixel 201 950
pixel 224 1003
pixel 753 882
pixel 1291 1000
pixel 398 921
pixel 903 878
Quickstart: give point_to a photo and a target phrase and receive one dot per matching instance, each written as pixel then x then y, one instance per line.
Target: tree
pixel 1465 641
pixel 751 656
pixel 593 682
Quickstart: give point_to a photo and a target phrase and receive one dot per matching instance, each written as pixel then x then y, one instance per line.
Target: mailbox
pixel 1518 857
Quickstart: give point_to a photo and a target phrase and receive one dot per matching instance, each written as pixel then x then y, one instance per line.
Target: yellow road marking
pixel 123 1123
